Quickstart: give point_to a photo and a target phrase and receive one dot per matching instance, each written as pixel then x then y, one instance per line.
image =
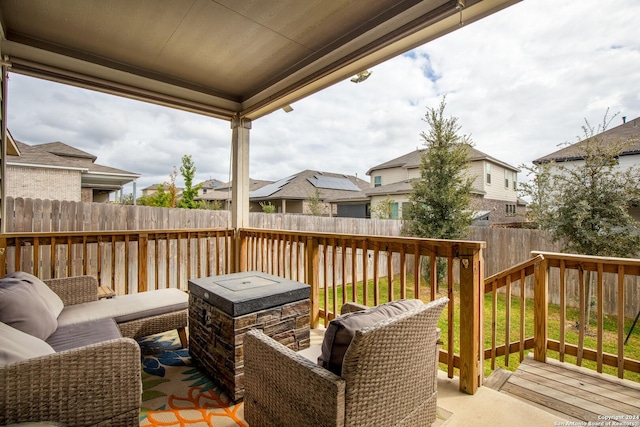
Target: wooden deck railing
pixel 514 276
pixel 333 263
pixel 126 261
pixel 535 275
pixel 581 267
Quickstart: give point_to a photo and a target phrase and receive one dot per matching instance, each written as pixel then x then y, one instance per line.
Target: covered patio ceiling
pixel 221 58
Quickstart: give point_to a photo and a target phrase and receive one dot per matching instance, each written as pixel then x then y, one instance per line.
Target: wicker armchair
pixel 95 385
pixel 388 377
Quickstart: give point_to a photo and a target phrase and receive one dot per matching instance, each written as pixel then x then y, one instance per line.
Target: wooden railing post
pixel 540 307
pixel 471 270
pixel 313 278
pixel 143 251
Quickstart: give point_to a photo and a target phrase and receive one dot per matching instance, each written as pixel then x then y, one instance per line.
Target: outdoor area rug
pixel 176 393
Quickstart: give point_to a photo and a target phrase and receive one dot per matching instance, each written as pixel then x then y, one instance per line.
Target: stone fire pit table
pixel 223 308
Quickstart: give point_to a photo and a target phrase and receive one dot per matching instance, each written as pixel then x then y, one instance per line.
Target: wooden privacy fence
pixel 27 215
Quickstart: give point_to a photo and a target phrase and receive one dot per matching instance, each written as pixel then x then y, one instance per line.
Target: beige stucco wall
pixel 396 198
pixel 43 183
pixel 389 176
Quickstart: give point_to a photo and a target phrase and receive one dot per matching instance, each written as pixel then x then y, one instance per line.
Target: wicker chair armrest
pixel 83 386
pixel 284 388
pixel 75 290
pixel 350 307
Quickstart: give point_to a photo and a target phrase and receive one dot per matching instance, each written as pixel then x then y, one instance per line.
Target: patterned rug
pixel 176 393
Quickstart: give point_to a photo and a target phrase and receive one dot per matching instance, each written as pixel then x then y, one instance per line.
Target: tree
pixel 589 208
pixel 384 208
pixel 267 207
pixel 440 202
pixel 212 205
pixel 315 203
pixel 539 190
pixel 165 196
pixel 126 199
pixel 189 193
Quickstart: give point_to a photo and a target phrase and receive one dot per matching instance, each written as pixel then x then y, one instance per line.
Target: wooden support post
pixel 243 241
pixel 540 307
pixel 240 128
pixel 471 268
pixel 313 279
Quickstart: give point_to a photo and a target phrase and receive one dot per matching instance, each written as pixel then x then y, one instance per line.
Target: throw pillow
pixel 51 299
pixel 21 307
pixel 341 330
pixel 16 346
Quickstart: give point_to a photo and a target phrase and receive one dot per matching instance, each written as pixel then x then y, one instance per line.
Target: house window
pixel 394 211
pixel 488 169
pixel 506 178
pixel 510 210
pixel 515 181
pixel 377 181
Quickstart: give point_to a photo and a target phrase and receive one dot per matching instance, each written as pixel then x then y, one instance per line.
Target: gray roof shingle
pixel 412 160
pixel 629 131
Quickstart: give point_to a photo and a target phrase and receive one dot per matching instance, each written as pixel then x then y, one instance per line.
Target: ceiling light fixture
pixel 361 76
pixel 460 6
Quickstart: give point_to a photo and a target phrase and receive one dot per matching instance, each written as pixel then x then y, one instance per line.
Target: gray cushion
pixel 342 329
pixel 83 334
pixel 16 346
pixel 51 299
pixel 126 308
pixel 22 307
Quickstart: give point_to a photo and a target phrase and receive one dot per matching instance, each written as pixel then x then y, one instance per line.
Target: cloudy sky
pixel 521 82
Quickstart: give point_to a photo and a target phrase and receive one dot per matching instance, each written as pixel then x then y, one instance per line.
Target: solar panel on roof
pixel 269 189
pixel 333 183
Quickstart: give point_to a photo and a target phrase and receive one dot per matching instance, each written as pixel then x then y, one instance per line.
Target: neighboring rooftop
pixel 303 184
pixel 412 160
pixel 627 131
pixel 60 155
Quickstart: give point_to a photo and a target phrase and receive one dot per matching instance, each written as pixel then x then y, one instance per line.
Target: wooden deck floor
pixel 577 394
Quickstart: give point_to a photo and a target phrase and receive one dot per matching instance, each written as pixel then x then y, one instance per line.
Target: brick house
pixel 58 171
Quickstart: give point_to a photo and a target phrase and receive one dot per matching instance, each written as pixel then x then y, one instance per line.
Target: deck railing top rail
pixel 443 247
pixel 591 262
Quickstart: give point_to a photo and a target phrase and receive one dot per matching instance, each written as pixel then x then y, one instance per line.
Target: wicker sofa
pixel 137 315
pixel 68 357
pixel 387 375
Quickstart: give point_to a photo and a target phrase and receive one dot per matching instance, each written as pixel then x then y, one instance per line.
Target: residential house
pixel 208 185
pixel 295 193
pixel 153 189
pixel 628 132
pixel 222 193
pixel 61 172
pixel 494 186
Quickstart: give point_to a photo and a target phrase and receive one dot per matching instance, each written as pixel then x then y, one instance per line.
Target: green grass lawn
pixel 610 326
